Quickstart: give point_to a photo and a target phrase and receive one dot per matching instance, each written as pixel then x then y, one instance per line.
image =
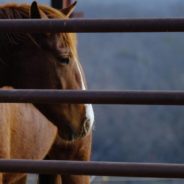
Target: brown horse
pixel 49 61
pixel 25 134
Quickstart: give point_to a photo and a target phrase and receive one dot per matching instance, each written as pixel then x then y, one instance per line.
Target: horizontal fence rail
pixel 94 168
pixel 93 25
pixel 94 97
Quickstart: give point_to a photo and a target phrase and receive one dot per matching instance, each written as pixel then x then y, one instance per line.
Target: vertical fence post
pixel 58 4
pixel 66 3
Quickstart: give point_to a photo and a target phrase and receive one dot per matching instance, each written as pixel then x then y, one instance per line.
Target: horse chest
pixel 76 150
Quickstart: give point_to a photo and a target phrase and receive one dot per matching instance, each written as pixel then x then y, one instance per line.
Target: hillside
pixel 150 61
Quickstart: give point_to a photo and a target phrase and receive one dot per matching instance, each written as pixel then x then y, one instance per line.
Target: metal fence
pixel 96 97
pixel 94 168
pixel 94 25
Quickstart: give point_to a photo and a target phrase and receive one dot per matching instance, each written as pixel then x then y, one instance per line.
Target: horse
pixel 49 61
pixel 25 134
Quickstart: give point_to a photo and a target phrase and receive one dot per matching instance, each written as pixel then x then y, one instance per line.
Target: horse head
pixel 45 61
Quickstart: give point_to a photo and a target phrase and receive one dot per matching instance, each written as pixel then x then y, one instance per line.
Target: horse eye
pixel 64 60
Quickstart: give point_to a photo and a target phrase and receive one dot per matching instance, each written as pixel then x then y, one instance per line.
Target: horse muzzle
pixel 69 134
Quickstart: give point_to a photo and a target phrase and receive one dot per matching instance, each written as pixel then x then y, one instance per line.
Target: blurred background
pixel 140 61
pixel 134 61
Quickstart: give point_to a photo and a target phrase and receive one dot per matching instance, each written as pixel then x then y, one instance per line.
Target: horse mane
pixel 22 11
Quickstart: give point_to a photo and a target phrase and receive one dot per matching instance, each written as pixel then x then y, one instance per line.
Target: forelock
pixel 22 11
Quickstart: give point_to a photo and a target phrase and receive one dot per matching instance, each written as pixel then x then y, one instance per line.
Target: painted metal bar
pixel 94 25
pixel 94 97
pixel 58 4
pixel 94 168
pixel 66 3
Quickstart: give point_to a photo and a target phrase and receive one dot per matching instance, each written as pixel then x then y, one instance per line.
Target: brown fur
pixel 25 134
pixel 35 61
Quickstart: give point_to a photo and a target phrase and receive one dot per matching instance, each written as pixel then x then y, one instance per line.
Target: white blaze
pixel 89 108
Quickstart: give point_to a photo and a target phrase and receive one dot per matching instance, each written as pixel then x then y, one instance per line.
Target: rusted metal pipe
pixel 94 168
pixel 95 97
pixel 66 3
pixel 93 25
pixel 58 4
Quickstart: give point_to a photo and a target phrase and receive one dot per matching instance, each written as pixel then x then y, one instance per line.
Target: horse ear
pixel 69 10
pixel 34 11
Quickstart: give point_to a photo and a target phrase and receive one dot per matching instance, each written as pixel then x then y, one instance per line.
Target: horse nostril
pixel 86 127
